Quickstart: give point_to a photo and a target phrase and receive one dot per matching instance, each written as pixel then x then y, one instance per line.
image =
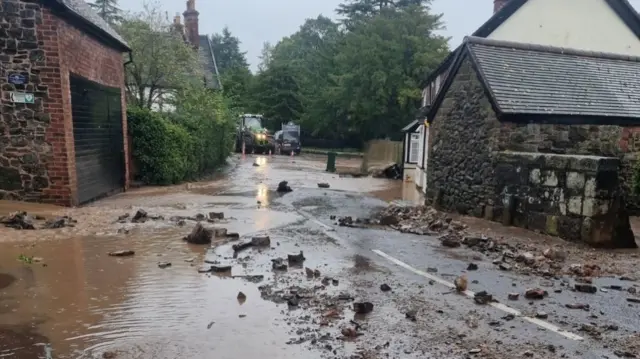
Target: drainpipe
pixel 130 59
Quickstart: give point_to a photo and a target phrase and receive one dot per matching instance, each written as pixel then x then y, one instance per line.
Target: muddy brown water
pixel 84 303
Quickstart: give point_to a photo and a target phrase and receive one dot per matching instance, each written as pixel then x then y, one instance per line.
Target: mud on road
pixel 358 292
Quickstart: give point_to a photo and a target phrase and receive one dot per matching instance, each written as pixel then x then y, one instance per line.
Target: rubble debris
pixel 623 354
pixel 411 315
pixel 18 220
pixel 278 264
pixel 256 278
pixel 256 164
pixel 309 272
pixel 293 301
pixel 451 240
pixel 216 215
pixel 482 298
pixel 109 355
pixel 585 288
pixel 123 217
pixel 472 267
pixel 221 268
pixel 164 265
pixel 123 253
pixel 385 288
pixel 542 315
pixel 241 296
pixel 323 185
pixel 204 269
pixel 461 283
pixel 262 241
pixel 200 235
pixel 536 293
pixel 363 307
pixel 241 246
pixel 633 300
pixel 555 254
pixel 200 217
pixel 141 216
pixel 514 296
pixel 509 317
pixel 60 222
pixel 475 351
pixel 349 332
pixel 389 220
pixel 345 221
pixel 432 270
pixel 632 290
pixel 296 259
pixel 316 273
pixel 210 325
pixel 627 279
pixel 504 267
pixel 527 258
pixel 580 306
pixel 283 187
pixel 233 236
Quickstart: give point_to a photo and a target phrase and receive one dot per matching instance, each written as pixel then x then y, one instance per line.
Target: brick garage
pixel 73 63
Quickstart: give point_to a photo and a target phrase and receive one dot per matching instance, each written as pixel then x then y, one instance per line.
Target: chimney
pixel 177 24
pixel 191 23
pixel 499 4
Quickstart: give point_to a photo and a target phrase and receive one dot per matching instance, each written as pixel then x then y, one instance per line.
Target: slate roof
pixel 412 126
pixel 208 62
pixel 542 80
pixel 85 13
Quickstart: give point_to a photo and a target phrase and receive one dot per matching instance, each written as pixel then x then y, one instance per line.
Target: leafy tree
pixel 226 48
pixel 162 61
pixel 108 10
pixel 278 93
pixel 265 56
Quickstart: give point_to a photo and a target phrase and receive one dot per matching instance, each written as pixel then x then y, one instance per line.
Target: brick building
pixel 63 124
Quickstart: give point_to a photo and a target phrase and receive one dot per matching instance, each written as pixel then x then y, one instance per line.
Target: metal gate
pixel 98 139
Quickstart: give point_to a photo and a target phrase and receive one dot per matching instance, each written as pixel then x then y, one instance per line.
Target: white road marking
pixel 468 293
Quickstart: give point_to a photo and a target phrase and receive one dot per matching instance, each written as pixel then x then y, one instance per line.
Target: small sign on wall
pixel 17 79
pixel 22 97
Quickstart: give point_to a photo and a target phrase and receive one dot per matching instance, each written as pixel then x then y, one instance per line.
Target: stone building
pixel 538 137
pixel 609 26
pixel 63 123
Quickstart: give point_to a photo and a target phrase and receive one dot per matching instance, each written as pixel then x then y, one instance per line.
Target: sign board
pixel 17 79
pixel 22 97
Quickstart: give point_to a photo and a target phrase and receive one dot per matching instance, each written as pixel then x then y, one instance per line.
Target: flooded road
pixel 63 296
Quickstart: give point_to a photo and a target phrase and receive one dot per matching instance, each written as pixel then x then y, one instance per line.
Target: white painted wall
pixel 162 102
pixel 578 24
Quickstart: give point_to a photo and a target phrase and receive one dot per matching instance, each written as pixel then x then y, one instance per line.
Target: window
pixel 414 148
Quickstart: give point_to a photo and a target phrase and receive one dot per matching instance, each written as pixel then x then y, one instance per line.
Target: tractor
pixel 255 137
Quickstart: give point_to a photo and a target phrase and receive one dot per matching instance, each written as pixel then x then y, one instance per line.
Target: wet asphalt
pixel 85 304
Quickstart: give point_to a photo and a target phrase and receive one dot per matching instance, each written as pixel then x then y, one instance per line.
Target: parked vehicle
pixel 288 139
pixel 256 138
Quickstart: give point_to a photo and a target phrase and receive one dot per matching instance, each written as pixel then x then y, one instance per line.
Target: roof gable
pixel 524 79
pixel 208 62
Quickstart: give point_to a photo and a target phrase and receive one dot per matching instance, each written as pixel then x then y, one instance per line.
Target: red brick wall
pixel 68 50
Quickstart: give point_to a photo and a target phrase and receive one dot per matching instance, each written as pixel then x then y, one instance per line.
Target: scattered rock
pixel 555 254
pixel 633 300
pixel 309 272
pixel 123 217
pixel 294 301
pixel 627 279
pixel 216 215
pixel 18 220
pixel 263 241
pixel 109 355
pixel 472 267
pixel 283 187
pixel 432 270
pixel 241 296
pixel 411 315
pixel 450 241
pixel 514 296
pixel 164 265
pixel 349 332
pixel 278 264
pixel 323 185
pixel 123 253
pixel 60 222
pixel 256 164
pixel 385 288
pixel 233 236
pixel 542 315
pixel 297 259
pixel 221 268
pixel 536 293
pixel 389 220
pixel 482 298
pixel 461 283
pixel 505 267
pixel 475 351
pixel 241 246
pixel 141 216
pixel 316 273
pixel 586 288
pixel 578 306
pixel 363 307
pixel 200 235
pixel 623 354
pixel 526 258
pixel 632 290
pixel 257 278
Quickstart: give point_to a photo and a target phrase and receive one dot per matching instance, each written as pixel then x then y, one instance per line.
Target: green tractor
pixel 255 137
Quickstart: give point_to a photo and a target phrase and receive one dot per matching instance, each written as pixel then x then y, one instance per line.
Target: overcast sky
pixel 257 21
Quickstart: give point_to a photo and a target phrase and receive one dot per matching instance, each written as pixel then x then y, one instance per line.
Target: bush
pixel 184 145
pixel 160 148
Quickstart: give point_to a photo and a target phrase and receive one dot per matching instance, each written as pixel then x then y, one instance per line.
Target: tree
pixel 265 56
pixel 278 93
pixel 355 11
pixel 108 10
pixel 162 60
pixel 226 48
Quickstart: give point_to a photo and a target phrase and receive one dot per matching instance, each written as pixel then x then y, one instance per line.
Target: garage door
pixel 98 137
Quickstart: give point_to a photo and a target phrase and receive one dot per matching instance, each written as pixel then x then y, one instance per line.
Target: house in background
pixel 190 32
pixel 411 150
pixel 63 127
pixel 538 136
pixel 610 26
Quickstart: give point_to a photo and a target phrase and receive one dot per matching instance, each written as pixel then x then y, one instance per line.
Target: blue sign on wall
pixel 17 79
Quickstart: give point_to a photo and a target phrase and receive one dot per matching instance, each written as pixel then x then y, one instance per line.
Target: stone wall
pixel 574 197
pixel 462 138
pixel 37 157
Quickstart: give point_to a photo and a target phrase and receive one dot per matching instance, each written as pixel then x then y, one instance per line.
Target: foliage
pixel 161 148
pixel 162 60
pixel 226 49
pixel 359 81
pixel 108 10
pixel 635 183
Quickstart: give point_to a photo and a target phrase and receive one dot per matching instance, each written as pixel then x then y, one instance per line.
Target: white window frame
pixel 414 147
